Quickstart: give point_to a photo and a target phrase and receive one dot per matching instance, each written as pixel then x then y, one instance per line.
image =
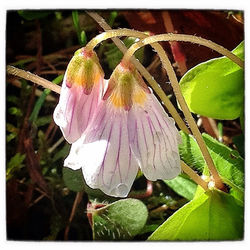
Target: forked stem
pixel 132 33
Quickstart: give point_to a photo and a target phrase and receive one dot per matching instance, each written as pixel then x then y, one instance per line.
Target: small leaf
pixel 11 137
pixel 15 163
pixel 121 220
pixel 183 186
pixel 214 215
pixel 83 38
pixel 112 17
pixel 215 88
pixel 37 107
pixel 73 179
pixel 15 111
pixel 11 128
pixel 75 18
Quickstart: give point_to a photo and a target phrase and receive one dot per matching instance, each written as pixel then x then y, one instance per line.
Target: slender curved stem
pixel 167 65
pixel 33 78
pixel 185 38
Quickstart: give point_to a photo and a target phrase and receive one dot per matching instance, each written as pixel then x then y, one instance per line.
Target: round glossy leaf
pixel 215 88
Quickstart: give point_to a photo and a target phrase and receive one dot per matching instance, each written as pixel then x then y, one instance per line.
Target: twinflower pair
pixel 116 126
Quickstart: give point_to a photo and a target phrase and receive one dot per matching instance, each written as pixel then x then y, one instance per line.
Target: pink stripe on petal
pixel 156 146
pixel 116 168
pixel 75 110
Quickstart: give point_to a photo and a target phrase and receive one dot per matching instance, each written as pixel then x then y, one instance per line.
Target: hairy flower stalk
pixel 81 92
pixel 129 130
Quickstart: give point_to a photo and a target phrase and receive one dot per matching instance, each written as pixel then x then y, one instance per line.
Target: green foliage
pixel 212 216
pixel 73 179
pixel 215 88
pixel 228 162
pixel 121 220
pixel 112 17
pixel 15 111
pixel 12 130
pixel 113 55
pixel 82 39
pixel 183 186
pixel 15 164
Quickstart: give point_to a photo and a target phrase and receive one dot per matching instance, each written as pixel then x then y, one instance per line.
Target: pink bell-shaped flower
pixel 81 92
pixel 129 130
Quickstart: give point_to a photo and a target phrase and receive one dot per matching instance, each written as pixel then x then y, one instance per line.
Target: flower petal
pixel 75 110
pixel 81 92
pixel 104 153
pixel 154 140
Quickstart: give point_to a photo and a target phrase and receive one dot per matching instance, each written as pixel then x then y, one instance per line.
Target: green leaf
pixel 58 79
pixel 37 107
pixel 228 162
pixel 33 14
pixel 113 55
pixel 183 186
pixel 11 128
pixel 83 38
pixel 75 18
pixel 215 88
pixel 15 111
pixel 15 163
pixel 121 220
pixel 212 216
pixel 11 137
pixel 112 17
pixel 73 179
pixel 58 15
